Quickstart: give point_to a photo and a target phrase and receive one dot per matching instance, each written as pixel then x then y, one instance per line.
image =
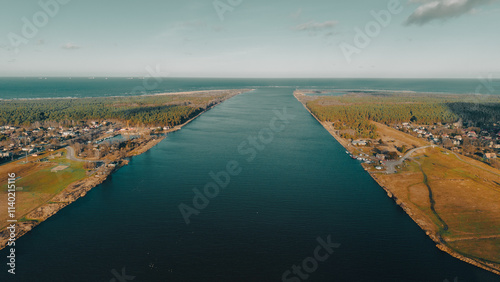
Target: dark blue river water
pixel 300 186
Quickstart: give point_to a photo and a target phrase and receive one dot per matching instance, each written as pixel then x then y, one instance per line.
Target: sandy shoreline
pixel 126 96
pixel 429 229
pixel 80 188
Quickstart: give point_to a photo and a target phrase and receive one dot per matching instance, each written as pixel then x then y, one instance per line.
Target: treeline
pixel 355 111
pixel 168 110
pixel 384 113
pixel 163 115
pixel 477 114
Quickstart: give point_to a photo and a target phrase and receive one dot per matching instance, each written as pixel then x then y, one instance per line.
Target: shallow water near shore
pixel 299 187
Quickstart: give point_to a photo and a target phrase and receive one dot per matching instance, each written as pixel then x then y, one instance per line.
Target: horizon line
pixel 222 77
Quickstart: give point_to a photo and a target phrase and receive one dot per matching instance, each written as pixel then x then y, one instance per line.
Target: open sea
pixel 12 88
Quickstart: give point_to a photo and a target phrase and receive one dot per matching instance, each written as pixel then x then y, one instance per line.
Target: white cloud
pixel 431 10
pixel 180 29
pixel 70 46
pixel 297 14
pixel 317 29
pixel 316 26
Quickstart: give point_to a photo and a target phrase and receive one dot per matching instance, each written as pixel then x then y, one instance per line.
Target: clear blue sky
pixel 257 38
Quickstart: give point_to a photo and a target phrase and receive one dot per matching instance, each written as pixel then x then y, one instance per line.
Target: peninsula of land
pixel 431 155
pixel 59 149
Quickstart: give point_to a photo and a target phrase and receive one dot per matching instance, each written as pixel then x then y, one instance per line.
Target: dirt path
pixel 473 238
pixel 476 166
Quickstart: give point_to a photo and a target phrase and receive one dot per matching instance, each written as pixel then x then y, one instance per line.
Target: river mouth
pixel 298 187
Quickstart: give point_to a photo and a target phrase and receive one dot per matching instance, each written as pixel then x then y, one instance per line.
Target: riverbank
pixel 468 239
pixel 75 190
pixel 70 194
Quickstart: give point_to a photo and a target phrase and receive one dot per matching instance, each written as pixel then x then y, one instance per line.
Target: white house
pixel 5 154
pixel 490 156
pixel 359 143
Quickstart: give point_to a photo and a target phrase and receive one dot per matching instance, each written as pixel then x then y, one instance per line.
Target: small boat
pixel 347 152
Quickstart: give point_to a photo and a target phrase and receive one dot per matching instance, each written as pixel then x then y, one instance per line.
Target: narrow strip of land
pixel 453 198
pixel 66 161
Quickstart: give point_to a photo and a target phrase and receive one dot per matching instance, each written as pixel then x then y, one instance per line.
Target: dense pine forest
pixel 480 115
pixel 168 110
pixel 354 111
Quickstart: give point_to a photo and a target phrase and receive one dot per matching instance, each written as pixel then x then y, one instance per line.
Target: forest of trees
pixel 148 110
pixel 477 114
pixel 355 111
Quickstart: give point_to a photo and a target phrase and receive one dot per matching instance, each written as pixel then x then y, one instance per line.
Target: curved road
pixel 462 160
pixel 391 165
pixel 71 155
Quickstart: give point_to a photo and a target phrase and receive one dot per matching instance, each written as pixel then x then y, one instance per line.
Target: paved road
pixel 71 156
pixel 391 165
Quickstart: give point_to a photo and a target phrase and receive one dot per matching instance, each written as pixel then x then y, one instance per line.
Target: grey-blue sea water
pixel 300 186
pixel 11 88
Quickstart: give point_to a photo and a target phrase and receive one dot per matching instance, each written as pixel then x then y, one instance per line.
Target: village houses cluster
pixel 483 143
pixel 17 142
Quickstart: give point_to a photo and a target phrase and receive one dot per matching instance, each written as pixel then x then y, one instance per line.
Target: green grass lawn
pixel 41 186
pixel 48 182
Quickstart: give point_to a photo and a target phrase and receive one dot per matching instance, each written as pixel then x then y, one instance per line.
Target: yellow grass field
pixel 456 197
pixel 390 135
pixel 36 182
